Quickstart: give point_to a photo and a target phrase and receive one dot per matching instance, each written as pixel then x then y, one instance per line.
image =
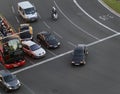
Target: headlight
pixel 73 62
pixel 8 86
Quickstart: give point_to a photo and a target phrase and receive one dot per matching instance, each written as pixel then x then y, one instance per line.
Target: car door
pixel 26 49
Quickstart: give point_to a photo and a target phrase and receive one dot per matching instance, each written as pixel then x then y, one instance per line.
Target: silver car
pixel 9 81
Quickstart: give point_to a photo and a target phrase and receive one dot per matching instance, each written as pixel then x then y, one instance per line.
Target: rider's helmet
pixel 54 10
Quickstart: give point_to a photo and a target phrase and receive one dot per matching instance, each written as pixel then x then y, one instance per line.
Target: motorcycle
pixel 54 16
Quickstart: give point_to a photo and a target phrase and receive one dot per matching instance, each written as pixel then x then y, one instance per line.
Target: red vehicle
pixel 11 53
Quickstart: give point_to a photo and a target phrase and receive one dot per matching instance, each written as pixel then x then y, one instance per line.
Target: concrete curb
pixel 109 8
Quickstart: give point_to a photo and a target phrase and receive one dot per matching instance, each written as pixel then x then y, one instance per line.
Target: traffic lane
pixel 74 14
pixel 99 75
pixel 100 13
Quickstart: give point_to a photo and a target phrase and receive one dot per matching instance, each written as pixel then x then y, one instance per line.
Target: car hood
pixel 53 42
pixel 13 82
pixel 39 52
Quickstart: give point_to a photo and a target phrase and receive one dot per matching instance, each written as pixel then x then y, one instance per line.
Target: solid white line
pixel 58 35
pixel 94 18
pixel 46 25
pixel 96 42
pixel 74 23
pixel 63 54
pixel 13 10
pixel 109 8
pixel 39 63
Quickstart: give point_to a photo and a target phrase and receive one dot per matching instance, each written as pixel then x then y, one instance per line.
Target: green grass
pixel 114 4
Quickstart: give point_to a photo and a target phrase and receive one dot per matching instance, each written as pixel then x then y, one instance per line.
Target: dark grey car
pixel 9 81
pixel 79 55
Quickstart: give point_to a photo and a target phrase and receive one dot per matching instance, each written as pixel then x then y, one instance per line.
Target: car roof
pixel 28 43
pixel 25 4
pixel 4 72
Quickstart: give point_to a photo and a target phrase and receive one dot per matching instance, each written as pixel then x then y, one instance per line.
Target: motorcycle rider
pixel 54 11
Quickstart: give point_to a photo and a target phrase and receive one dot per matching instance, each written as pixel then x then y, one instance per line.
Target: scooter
pixel 54 16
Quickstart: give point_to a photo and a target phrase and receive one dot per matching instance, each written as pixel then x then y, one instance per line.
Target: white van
pixel 27 11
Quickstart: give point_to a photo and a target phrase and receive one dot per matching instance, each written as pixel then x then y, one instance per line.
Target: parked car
pixel 27 11
pixel 9 81
pixel 79 55
pixel 25 32
pixel 48 39
pixel 33 49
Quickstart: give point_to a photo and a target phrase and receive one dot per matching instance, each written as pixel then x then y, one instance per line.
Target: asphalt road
pixel 80 21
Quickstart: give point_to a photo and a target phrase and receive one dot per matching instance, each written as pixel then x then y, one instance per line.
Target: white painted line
pixel 17 19
pixel 51 52
pixel 39 16
pixel 13 10
pixel 94 18
pixel 39 63
pixel 96 42
pixel 109 8
pixel 75 24
pixel 46 25
pixel 71 44
pixel 58 35
pixel 63 54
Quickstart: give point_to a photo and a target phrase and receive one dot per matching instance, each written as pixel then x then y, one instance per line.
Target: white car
pixel 33 49
pixel 27 11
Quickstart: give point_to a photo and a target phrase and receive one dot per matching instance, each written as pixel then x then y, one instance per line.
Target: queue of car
pixel 25 32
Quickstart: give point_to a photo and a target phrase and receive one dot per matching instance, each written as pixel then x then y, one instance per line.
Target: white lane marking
pixel 109 8
pixel 109 37
pixel 58 35
pixel 63 54
pixel 46 25
pixel 39 16
pixel 74 23
pixel 36 64
pixel 51 52
pixel 94 18
pixel 13 10
pixel 17 19
pixel 71 44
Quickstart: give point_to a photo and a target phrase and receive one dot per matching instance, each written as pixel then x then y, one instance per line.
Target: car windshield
pixel 30 10
pixel 34 47
pixel 24 28
pixel 25 35
pixel 9 78
pixel 50 37
pixel 78 52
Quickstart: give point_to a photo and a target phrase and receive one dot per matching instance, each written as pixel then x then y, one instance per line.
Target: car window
pixel 30 10
pixel 34 47
pixel 9 78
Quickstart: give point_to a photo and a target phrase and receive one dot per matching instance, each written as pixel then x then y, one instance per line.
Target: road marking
pixel 110 9
pixel 51 52
pixel 94 18
pixel 58 35
pixel 46 25
pixel 13 10
pixel 17 19
pixel 74 23
pixel 71 44
pixel 39 16
pixel 39 63
pixel 63 54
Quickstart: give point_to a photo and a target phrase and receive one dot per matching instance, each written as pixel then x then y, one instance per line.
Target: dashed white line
pixel 46 25
pixel 71 44
pixel 51 52
pixel 74 23
pixel 94 18
pixel 17 19
pixel 58 35
pixel 13 10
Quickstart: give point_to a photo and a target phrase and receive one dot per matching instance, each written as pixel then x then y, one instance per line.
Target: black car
pixel 79 55
pixel 48 39
pixel 9 81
